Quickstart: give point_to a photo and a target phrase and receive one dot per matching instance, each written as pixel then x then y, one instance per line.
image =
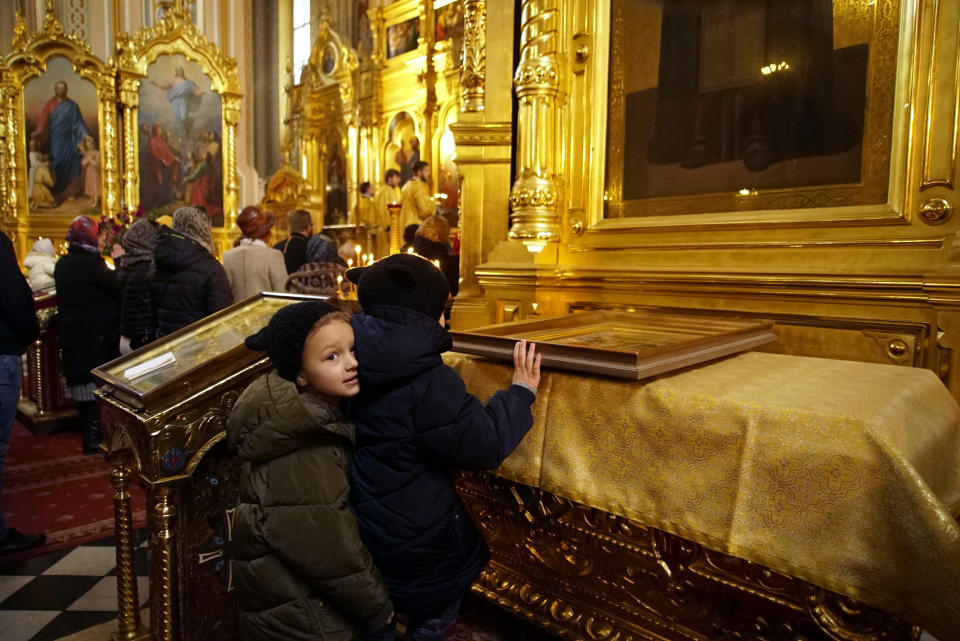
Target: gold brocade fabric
pixel 842 474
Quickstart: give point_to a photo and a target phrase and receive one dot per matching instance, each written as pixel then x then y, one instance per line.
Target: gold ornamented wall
pixel 175 35
pixel 862 269
pixel 39 197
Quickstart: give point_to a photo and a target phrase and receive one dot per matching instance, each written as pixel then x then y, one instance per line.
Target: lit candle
pixel 409 250
pixel 357 249
pixel 349 262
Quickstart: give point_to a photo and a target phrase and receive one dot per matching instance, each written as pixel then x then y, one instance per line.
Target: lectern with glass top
pixel 164 410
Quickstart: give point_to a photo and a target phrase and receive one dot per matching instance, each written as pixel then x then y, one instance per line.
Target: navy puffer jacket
pixel 416 423
pixel 187 283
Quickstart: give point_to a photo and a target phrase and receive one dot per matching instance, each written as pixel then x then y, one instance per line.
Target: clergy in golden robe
pixel 416 204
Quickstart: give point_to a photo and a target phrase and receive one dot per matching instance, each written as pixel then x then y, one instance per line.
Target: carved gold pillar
pixel 231 118
pixel 430 89
pixel 110 171
pixel 473 71
pixel 535 193
pixel 128 599
pixel 165 609
pixel 484 146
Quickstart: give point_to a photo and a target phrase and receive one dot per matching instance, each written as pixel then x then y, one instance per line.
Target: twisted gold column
pixel 128 601
pixel 39 393
pixel 535 194
pixel 164 610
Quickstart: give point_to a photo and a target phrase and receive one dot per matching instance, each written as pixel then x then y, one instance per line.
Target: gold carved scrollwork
pixel 587 574
pixel 175 33
pixel 29 59
pixel 473 73
pixel 535 194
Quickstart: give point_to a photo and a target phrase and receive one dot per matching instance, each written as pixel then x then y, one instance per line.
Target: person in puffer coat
pixel 186 282
pixel 299 567
pixel 136 323
pixel 416 424
pixel 40 262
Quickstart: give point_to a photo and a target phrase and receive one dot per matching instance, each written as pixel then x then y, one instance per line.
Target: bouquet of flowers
pixel 115 226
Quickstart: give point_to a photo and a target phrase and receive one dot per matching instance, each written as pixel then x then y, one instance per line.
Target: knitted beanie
pixel 285 334
pixel 195 225
pixel 402 280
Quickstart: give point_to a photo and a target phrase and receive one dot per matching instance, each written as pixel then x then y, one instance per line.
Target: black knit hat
pixel 402 280
pixel 285 334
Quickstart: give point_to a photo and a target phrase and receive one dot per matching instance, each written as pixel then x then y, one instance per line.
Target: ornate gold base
pixel 43 423
pixel 585 574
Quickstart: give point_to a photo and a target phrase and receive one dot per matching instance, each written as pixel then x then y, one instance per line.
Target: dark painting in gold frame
pixel 686 127
pixel 630 345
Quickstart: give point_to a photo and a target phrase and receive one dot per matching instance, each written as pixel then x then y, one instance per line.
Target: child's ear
pixel 402 276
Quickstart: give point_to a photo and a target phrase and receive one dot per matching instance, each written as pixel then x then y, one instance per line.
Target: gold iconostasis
pixel 150 129
pixel 388 104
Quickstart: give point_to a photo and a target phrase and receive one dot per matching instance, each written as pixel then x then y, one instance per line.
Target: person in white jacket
pixel 40 261
pixel 252 265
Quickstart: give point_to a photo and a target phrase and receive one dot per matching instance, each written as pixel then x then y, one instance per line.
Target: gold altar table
pixel 841 474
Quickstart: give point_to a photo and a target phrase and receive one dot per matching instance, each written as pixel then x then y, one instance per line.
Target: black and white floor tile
pixel 55 595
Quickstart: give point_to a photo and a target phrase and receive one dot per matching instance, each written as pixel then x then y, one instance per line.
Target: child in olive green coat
pixel 300 568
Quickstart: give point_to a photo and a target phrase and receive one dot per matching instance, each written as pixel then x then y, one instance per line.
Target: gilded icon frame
pixel 887 136
pixel 28 60
pixel 176 33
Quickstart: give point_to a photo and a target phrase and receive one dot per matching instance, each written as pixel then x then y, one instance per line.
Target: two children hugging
pixel 308 563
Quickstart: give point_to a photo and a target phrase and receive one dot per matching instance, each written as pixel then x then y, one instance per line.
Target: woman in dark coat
pixel 136 326
pixel 89 316
pixel 187 282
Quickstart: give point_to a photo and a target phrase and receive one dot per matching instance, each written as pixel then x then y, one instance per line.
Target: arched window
pixel 301 36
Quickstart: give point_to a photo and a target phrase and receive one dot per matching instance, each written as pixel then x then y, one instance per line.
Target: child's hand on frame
pixel 527 364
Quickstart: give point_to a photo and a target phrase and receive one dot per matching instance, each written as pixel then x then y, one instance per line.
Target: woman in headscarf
pixel 319 275
pixel 252 265
pixel 136 326
pixel 89 316
pixel 187 283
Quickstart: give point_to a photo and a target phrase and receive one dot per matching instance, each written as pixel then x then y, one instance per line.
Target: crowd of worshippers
pixel 167 276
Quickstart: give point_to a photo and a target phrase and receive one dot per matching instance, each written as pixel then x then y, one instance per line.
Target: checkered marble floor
pixel 55 595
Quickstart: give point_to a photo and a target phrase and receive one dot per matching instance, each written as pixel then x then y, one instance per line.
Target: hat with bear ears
pixel 402 280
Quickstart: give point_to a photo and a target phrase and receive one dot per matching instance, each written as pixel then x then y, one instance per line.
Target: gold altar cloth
pixel 842 474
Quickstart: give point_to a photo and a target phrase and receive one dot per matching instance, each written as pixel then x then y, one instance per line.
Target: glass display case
pixel 177 364
pixel 164 410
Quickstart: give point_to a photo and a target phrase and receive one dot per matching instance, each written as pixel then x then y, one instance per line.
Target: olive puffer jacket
pixel 300 569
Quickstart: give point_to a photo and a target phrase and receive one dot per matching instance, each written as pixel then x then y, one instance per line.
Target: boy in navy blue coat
pixel 415 424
